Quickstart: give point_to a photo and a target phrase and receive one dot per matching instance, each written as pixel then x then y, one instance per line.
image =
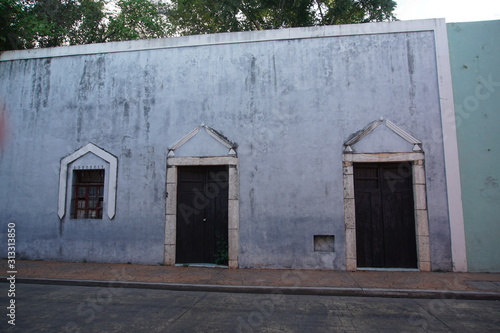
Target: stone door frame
pixel 419 198
pixel 171 203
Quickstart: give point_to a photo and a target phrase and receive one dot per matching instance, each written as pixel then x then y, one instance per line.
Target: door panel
pixel 202 199
pixel 385 223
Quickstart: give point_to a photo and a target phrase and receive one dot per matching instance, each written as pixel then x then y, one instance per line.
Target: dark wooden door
pixel 202 202
pixel 385 222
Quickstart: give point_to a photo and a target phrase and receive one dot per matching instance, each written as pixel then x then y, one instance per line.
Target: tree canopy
pixel 48 23
pixel 210 16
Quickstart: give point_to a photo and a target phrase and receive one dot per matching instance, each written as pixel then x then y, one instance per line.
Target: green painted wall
pixel 475 66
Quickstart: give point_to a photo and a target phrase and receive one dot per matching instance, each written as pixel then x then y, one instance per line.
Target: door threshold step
pixel 202 265
pixel 387 269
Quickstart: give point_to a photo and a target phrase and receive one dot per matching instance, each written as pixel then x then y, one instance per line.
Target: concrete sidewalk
pixel 484 286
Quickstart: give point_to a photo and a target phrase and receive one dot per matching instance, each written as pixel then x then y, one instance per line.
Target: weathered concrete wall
pixel 289 103
pixel 475 49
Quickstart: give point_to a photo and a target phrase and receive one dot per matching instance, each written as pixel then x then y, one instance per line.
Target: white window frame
pixel 109 180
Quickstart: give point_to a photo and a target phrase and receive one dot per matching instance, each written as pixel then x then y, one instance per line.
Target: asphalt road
pixel 51 308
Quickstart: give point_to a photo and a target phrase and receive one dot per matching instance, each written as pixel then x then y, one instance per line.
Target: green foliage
pixel 355 11
pixel 221 252
pixel 210 16
pixel 47 23
pixel 138 19
pixel 11 13
pixel 204 16
pixel 89 27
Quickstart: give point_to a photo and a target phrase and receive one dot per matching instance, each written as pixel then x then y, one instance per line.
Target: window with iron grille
pixel 88 192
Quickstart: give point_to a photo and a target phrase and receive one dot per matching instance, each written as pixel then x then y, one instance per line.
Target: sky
pixel 451 10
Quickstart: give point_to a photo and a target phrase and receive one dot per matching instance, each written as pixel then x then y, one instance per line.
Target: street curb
pixel 318 291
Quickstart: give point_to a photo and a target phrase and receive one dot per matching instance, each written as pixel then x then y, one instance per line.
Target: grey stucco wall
pixel 288 104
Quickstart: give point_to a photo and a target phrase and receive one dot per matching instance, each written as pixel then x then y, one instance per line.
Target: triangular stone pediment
pixel 382 136
pixel 203 141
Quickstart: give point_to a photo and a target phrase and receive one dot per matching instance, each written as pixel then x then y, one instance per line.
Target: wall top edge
pixel 227 38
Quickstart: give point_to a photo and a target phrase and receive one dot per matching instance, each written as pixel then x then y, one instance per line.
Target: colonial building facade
pixel 325 148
